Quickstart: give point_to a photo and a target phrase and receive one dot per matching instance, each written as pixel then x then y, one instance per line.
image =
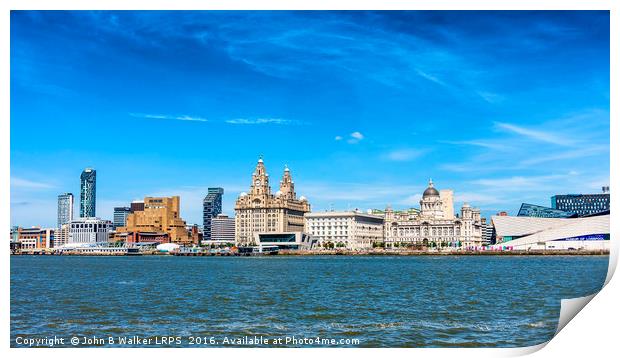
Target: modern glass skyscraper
pixel 212 206
pixel 88 189
pixel 65 208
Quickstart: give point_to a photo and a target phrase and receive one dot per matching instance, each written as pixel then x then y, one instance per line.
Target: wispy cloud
pixel 29 184
pixel 539 135
pixel 169 117
pixel 477 143
pixel 490 96
pixel 253 121
pixel 401 155
pixel 337 138
pixel 519 183
pixel 478 198
pixel 567 155
pixel 376 195
pixel 430 77
pixel 411 200
pixel 236 121
pixel 355 137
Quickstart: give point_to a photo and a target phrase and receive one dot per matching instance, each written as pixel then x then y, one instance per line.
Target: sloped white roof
pixel 524 225
pixel 565 229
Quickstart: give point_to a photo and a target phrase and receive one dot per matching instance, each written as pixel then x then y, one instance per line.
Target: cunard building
pixel 264 218
pixel 434 224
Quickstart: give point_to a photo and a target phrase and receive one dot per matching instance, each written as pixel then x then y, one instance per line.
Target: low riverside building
pixel 35 238
pixel 14 238
pixel 89 231
pixel 435 225
pixel 102 248
pixel 142 237
pixel 285 240
pixel 531 233
pixel 160 215
pixel 260 211
pixel 345 229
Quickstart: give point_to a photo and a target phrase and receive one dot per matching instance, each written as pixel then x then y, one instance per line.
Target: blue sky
pixel 364 107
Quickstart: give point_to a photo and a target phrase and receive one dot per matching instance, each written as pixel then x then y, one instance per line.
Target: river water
pixel 362 301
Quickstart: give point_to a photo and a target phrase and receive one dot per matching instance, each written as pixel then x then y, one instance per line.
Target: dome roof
pixel 243 194
pixel 430 191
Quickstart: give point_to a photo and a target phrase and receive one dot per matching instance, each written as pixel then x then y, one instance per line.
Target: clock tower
pixel 260 180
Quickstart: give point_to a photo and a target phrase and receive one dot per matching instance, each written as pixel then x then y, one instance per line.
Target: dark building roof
pixel 430 191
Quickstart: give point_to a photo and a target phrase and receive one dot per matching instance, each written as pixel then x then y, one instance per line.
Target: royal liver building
pixel 434 224
pixel 259 211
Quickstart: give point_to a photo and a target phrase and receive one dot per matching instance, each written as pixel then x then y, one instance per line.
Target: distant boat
pixel 133 251
pixel 258 250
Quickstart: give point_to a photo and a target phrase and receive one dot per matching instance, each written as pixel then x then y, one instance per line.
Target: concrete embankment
pixel 353 253
pixel 445 253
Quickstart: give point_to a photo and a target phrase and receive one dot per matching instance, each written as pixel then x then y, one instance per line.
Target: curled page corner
pixel 522 351
pixel 613 262
pixel 569 309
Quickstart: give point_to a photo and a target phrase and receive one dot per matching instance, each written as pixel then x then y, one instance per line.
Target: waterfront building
pixel 65 208
pixel 532 233
pixel 260 211
pixel 61 235
pixel 487 232
pixel 434 224
pixel 211 207
pixel 35 238
pixel 88 193
pixel 285 240
pixel 582 204
pixel 14 234
pixel 136 205
pixel 89 230
pixel 352 230
pixel 538 211
pixel 160 215
pixel 14 240
pixel 120 216
pixel 223 228
pixel 135 237
pixel 195 234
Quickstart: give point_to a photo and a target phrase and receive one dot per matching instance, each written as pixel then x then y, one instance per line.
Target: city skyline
pixel 364 107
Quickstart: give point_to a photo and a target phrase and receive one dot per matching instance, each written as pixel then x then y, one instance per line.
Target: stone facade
pixel 435 223
pixel 260 211
pixel 160 215
pixel 346 229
